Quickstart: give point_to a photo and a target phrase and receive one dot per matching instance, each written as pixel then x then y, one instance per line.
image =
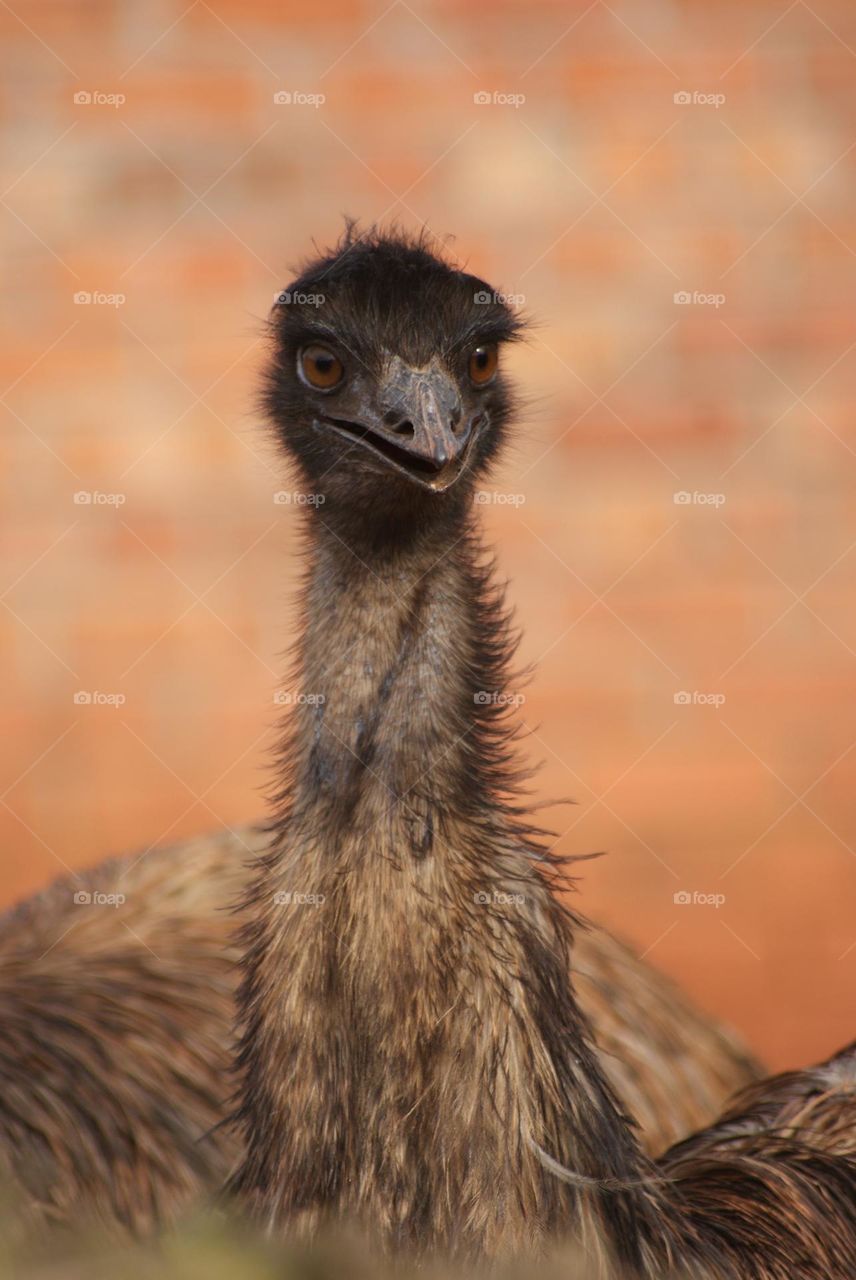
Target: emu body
pixel 116 1026
pixel 114 1040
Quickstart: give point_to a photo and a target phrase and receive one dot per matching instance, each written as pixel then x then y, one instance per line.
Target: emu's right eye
pixel 483 362
pixel 320 367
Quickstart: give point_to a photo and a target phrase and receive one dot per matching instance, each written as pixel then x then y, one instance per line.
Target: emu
pixel 116 1024
pixel 413 1056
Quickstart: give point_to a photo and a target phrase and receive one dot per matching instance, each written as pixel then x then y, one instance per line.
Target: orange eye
pixel 483 362
pixel 320 367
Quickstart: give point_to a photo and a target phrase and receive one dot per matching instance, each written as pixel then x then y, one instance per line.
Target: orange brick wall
pixel 597 196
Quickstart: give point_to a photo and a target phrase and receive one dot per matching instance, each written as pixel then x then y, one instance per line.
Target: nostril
pixel 459 426
pixel 396 424
pixel 464 425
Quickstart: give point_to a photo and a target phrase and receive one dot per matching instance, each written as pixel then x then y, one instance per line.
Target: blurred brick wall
pixel 599 197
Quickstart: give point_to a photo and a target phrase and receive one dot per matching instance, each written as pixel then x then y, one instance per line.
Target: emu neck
pixel 395 654
pixel 410 1034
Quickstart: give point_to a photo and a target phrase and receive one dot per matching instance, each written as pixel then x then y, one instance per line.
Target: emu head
pixel 386 384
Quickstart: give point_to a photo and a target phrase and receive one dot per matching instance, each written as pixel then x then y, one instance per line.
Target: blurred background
pixel 669 188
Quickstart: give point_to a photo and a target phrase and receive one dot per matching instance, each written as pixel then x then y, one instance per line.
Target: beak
pixel 432 440
pixel 416 426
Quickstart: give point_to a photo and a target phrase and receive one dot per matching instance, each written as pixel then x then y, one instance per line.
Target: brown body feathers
pixel 117 1023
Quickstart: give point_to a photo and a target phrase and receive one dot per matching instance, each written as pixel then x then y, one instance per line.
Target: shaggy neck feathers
pixel 410 1036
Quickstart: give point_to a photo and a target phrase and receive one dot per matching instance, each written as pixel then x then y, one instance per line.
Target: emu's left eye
pixel 320 367
pixel 483 362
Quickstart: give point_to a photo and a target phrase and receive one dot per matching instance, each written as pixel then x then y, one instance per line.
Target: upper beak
pixel 433 439
pixel 417 426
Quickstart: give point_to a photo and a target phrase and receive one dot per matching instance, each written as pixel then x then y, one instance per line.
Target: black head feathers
pixel 387 377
